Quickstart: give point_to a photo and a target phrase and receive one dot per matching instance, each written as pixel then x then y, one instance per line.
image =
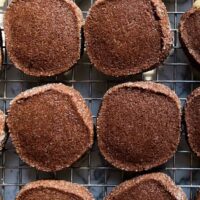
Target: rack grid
pixel 92 170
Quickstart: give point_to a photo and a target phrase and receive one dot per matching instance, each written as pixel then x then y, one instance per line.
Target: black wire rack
pixel 92 170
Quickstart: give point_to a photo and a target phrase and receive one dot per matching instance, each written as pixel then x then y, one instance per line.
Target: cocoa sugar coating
pixel 43 37
pixel 189 34
pixel 56 190
pixel 3 134
pixel 151 187
pixel 138 125
pixel 50 126
pixel 127 37
pixel 192 119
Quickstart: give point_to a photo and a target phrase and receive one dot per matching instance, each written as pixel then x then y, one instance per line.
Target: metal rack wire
pixel 92 170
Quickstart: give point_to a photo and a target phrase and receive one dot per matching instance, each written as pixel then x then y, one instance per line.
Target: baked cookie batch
pixel 139 123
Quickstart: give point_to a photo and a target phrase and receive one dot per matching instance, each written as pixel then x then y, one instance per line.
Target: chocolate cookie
pixel 43 37
pixel 151 187
pixel 127 37
pixel 189 30
pixel 50 126
pixel 3 134
pixel 192 119
pixel 139 125
pixel 50 189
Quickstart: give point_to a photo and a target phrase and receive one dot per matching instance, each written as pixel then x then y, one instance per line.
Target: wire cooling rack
pixel 92 170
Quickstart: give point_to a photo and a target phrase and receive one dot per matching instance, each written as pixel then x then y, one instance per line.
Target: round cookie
pixel 189 30
pixel 43 38
pixel 192 119
pixel 50 126
pixel 121 40
pixel 51 189
pixel 138 126
pixel 151 186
